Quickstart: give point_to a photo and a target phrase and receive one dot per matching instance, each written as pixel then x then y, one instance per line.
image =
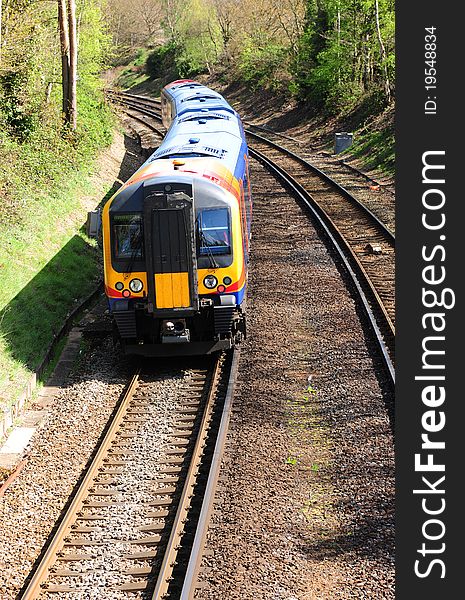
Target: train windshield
pixel 214 231
pixel 128 236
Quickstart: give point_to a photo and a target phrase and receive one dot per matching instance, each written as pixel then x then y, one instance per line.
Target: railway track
pixel 370 241
pixel 137 522
pixel 364 243
pixel 320 159
pixel 364 289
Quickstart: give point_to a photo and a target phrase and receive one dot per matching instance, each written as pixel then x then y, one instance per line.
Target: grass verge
pixel 47 263
pixel 375 146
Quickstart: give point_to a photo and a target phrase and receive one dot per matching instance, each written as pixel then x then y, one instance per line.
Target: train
pixel 176 235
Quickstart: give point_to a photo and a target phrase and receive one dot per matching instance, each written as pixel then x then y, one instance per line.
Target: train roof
pixel 182 89
pixel 217 133
pixel 193 96
pixel 209 128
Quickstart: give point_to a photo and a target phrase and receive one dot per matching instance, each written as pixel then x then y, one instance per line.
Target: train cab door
pixel 170 249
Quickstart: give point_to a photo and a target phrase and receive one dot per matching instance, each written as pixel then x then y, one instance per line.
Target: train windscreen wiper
pixel 204 244
pixel 134 254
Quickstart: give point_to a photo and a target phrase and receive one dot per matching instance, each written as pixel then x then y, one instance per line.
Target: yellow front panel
pixel 172 290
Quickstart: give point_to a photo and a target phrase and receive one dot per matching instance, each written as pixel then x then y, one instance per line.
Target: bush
pixel 17 117
pixel 162 62
pixel 259 66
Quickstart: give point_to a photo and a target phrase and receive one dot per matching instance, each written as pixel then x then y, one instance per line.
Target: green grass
pixel 134 72
pixel 376 149
pixel 374 134
pixel 131 77
pixel 47 264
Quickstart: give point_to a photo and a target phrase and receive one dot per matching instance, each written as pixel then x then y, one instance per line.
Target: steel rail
pixel 378 224
pixel 343 249
pixel 146 100
pixel 268 130
pixel 341 189
pixel 125 95
pixel 177 530
pixel 148 125
pixel 357 171
pixel 195 559
pixel 342 162
pixel 42 571
pixel 143 110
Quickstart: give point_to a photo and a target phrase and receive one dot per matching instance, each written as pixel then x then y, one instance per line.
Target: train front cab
pixel 183 242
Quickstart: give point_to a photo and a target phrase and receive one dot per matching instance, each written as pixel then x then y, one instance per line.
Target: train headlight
pixel 136 285
pixel 210 282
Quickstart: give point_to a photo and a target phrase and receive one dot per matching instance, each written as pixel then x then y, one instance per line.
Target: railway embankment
pixel 47 263
pixel 303 508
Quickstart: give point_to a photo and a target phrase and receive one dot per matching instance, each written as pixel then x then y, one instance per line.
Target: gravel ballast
pixel 58 454
pixel 306 507
pixel 306 500
pixel 57 457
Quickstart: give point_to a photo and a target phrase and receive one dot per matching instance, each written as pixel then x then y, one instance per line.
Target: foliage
pixel 196 39
pixel 130 77
pixel 31 96
pixel 161 62
pixel 18 120
pixel 260 65
pixel 141 57
pixel 329 53
pixel 42 172
pixel 191 45
pixel 340 56
pixel 254 39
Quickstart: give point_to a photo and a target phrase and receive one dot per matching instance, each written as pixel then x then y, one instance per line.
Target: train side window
pixel 128 236
pixel 214 231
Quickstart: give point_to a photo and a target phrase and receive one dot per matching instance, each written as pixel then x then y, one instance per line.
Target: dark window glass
pixel 214 231
pixel 128 236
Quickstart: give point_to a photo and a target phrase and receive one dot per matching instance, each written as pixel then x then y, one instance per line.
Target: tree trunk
pixel 338 25
pixel 64 43
pixel 382 51
pixel 72 64
pixel 1 8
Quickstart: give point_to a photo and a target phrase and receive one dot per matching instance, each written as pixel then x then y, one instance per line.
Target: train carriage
pixel 176 235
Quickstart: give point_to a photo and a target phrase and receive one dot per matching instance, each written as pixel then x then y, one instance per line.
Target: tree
pixel 346 52
pixel 136 23
pixel 382 50
pixel 64 44
pixel 68 44
pixel 151 15
pixel 72 82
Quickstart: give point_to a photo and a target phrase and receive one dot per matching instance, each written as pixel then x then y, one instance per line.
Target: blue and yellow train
pixel 176 234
